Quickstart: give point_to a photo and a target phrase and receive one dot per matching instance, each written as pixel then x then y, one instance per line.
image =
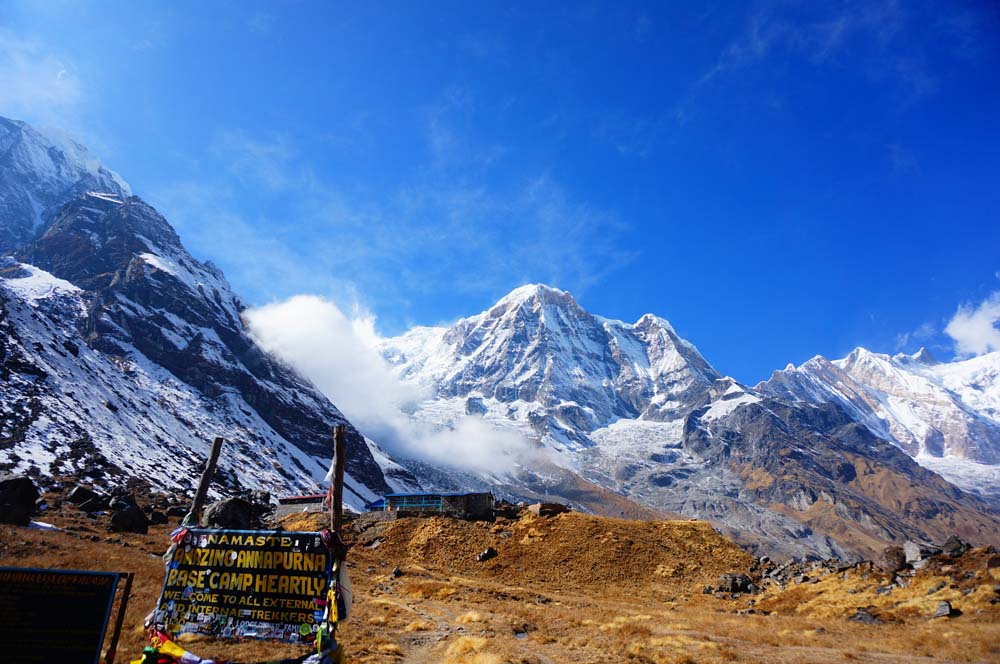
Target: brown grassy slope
pixel 572 551
pixel 924 508
pixel 577 589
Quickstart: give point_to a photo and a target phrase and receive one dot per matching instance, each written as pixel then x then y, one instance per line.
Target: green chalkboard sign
pixel 54 615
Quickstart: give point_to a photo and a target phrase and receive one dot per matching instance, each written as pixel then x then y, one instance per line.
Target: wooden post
pixel 109 657
pixel 336 509
pixel 194 516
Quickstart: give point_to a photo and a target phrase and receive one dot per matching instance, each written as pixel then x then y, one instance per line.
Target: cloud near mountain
pixel 339 354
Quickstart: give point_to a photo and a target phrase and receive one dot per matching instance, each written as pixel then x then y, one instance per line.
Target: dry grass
pixel 584 590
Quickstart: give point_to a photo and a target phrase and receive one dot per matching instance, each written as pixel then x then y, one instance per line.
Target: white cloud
pixel 924 332
pixel 256 160
pixel 974 328
pixel 36 84
pixel 338 353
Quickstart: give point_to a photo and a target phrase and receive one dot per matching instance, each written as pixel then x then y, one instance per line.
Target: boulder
pixel 123 500
pixel 231 513
pixel 488 554
pixel 95 504
pixel 547 509
pixel 893 559
pixel 734 583
pixel 866 616
pixel 177 511
pixel 918 552
pixel 955 546
pixel 129 520
pixel 81 494
pixel 944 610
pixel 157 518
pixel 17 499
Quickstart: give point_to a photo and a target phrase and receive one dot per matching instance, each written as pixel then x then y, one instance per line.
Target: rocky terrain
pixel 636 409
pixel 944 414
pixel 579 588
pixel 42 169
pixel 122 356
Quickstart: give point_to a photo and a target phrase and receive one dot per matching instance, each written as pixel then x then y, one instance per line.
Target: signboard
pixel 246 583
pixel 49 615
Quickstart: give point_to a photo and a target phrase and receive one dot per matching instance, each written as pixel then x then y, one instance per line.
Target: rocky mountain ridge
pixel 636 409
pixel 42 169
pixel 944 414
pixel 123 356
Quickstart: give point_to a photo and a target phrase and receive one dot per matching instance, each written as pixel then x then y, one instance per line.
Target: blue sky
pixel 778 179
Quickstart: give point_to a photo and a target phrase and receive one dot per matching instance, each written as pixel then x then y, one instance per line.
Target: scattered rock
pixel 177 511
pixel 488 554
pixel 17 499
pixel 547 509
pixel 893 559
pixel 955 546
pixel 95 504
pixel 916 553
pixel 396 572
pixel 129 520
pixel 866 616
pixel 235 514
pixel 944 610
pixel 81 494
pixel 734 583
pixel 157 518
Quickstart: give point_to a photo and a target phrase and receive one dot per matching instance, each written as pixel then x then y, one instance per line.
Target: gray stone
pixel 734 583
pixel 865 616
pixel 18 495
pixel 944 610
pixel 231 513
pixel 893 559
pixel 129 520
pixel 81 494
pixel 157 518
pixel 955 546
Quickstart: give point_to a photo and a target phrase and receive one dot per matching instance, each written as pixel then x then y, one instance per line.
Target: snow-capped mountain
pixel 944 414
pixel 123 356
pixel 41 170
pixel 636 409
pixel 538 354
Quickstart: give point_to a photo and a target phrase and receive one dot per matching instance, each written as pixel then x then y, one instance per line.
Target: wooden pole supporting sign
pixel 194 516
pixel 336 508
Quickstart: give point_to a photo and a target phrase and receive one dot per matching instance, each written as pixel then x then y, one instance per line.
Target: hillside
pixel 635 409
pixel 576 588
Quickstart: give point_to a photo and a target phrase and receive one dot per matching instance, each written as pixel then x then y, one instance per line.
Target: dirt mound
pixel 571 550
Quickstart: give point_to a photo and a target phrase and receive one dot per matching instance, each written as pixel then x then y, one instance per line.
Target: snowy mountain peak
pixel 43 168
pixel 534 292
pixel 922 356
pixel 946 415
pixel 538 352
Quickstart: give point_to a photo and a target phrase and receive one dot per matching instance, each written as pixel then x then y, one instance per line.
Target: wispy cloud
pixel 434 235
pixel 890 45
pixel 265 161
pixel 37 84
pixel 924 333
pixel 449 147
pixel 975 328
pixel 338 353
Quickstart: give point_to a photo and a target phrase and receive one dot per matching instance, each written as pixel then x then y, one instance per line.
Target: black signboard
pixel 246 583
pixel 49 615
